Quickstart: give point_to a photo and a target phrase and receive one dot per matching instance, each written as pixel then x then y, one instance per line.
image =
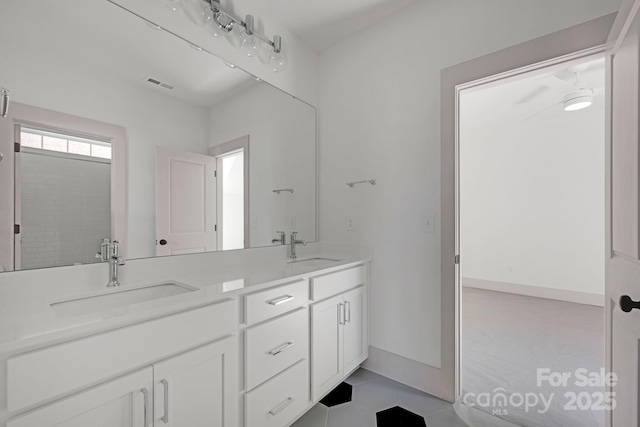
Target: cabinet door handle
pixel 341 313
pixel 281 348
pixel 347 308
pixel 280 407
pixel 145 395
pixel 165 415
pixel 280 300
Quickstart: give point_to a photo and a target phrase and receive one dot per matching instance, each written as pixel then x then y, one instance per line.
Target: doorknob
pixel 163 242
pixel 627 304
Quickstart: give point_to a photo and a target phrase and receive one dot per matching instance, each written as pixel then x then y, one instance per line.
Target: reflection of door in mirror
pixel 185 202
pixel 62 192
pixel 233 193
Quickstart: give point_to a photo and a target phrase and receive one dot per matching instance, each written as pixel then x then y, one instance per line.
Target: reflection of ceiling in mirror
pixel 106 40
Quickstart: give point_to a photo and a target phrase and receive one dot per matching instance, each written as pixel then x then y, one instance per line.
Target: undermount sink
pixel 314 262
pixel 114 299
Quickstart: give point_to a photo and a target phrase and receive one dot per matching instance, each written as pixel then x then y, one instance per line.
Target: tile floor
pixel 377 401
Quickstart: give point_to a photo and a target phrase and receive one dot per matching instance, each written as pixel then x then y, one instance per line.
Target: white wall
pixel 532 201
pixel 282 150
pixel 65 209
pixel 379 97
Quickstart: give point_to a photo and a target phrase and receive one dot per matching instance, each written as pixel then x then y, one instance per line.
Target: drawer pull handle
pixel 282 348
pixel 280 407
pixel 165 416
pixel 280 300
pixel 347 308
pixel 145 395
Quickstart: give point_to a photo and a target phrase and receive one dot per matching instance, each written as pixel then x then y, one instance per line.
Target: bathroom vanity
pixel 257 349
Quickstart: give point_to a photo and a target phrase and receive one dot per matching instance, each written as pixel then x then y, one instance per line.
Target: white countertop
pixel 29 322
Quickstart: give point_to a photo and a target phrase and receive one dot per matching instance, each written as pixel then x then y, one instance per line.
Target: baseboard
pixel 535 291
pixel 414 374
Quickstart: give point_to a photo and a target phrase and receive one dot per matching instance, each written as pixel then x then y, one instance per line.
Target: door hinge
pixel 457 259
pixel 215 174
pixel 16 228
pixel 215 227
pixel 16 147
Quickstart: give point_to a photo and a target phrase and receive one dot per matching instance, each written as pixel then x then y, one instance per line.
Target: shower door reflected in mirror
pixel 63 198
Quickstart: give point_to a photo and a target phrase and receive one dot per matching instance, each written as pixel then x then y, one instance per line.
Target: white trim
pixel 575 42
pixel 418 375
pixel 536 291
pixel 63 155
pixel 240 144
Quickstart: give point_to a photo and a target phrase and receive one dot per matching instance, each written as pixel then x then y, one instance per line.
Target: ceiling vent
pixel 159 83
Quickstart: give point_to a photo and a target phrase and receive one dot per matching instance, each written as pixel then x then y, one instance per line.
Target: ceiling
pixel 103 41
pixel 322 23
pixel 529 96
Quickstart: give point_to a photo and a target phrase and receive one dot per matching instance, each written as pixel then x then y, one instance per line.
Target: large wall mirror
pixel 128 132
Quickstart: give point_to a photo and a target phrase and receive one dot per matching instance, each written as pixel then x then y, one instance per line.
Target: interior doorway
pixel 531 239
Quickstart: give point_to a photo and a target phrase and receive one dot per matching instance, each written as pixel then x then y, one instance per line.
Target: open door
pixel 185 202
pixel 623 230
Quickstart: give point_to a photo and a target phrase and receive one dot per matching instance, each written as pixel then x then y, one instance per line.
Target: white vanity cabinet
pixel 191 388
pixel 125 402
pixel 185 370
pixel 339 328
pixel 276 355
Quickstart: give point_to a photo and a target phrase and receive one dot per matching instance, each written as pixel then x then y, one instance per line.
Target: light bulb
pixel 277 58
pixel 277 61
pixel 196 11
pixel 249 44
pixel 211 24
pixel 174 5
pixel 233 36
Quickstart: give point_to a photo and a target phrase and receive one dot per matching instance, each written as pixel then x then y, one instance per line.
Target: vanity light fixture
pixel 242 34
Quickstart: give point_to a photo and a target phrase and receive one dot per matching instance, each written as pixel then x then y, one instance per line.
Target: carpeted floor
pixel 507 337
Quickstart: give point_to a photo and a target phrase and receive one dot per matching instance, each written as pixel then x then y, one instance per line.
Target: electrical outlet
pixel 293 223
pixel 350 226
pixel 254 222
pixel 428 223
pixel 509 270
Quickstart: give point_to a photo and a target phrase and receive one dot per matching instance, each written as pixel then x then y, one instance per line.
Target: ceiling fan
pixel 576 95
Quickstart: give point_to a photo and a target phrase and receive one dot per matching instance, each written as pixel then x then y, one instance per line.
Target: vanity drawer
pixel 271 302
pixel 280 400
pixel 55 371
pixel 331 284
pixel 274 346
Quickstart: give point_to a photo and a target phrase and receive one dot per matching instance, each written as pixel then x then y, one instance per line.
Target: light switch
pixel 350 226
pixel 428 223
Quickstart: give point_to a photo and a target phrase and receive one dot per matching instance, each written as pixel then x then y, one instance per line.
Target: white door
pixel 196 389
pixel 356 341
pixel 185 202
pixel 623 228
pixel 327 319
pixel 124 402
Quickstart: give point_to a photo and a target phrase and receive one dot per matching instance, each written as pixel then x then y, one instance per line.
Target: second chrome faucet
pixel 294 242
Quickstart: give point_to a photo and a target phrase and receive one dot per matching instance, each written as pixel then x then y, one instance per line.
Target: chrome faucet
pixel 294 242
pixel 110 252
pixel 281 239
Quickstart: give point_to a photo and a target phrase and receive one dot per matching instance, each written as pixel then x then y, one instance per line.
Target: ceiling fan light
pixel 578 101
